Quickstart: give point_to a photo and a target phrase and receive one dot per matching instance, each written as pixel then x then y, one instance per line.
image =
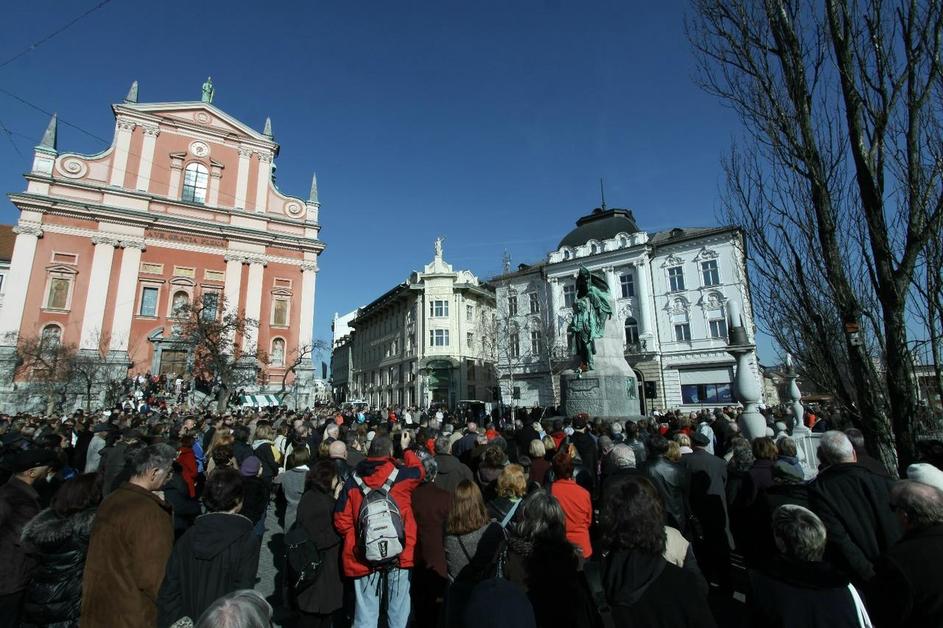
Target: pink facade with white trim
pixel 181 205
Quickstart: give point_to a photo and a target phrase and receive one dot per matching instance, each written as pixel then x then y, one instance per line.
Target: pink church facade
pixel 182 205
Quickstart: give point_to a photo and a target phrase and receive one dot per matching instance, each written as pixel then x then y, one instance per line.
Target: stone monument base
pixel 609 396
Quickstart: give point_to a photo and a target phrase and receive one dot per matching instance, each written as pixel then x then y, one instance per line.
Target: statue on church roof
pixel 208 90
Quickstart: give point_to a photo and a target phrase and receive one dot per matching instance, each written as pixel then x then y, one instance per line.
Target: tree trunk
pixel 222 396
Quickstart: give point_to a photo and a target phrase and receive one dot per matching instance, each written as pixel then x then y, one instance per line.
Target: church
pixel 182 208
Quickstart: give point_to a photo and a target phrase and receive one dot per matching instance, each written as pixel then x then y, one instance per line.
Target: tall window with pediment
pixel 195 181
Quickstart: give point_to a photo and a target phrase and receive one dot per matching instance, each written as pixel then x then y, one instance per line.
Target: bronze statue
pixel 591 310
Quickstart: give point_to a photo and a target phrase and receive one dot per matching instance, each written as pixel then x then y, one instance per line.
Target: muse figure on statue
pixel 591 310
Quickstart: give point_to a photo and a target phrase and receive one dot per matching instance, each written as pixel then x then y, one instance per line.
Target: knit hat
pixel 250 467
pixel 925 473
pixel 516 610
pixel 616 427
pixel 701 439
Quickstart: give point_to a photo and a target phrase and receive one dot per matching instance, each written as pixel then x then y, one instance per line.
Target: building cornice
pixel 148 220
pixel 154 198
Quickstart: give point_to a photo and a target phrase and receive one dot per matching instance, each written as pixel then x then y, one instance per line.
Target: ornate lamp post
pixel 745 386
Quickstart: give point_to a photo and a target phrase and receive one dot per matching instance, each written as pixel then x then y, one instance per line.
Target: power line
pixel 58 31
pixel 9 135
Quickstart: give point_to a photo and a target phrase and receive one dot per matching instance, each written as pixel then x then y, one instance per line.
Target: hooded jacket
pixel 59 545
pixel 643 591
pixel 217 556
pixel 374 472
pixel 451 472
pixel 19 502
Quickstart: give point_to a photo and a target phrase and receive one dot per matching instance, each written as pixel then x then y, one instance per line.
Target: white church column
pixel 126 295
pixel 242 176
pixel 261 186
pixel 309 275
pixel 18 279
pixel 119 163
pixel 99 278
pixel 216 173
pixel 176 172
pixel 233 282
pixel 147 157
pixel 253 304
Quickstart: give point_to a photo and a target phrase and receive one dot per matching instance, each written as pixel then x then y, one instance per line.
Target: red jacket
pixel 187 460
pixel 374 472
pixel 578 510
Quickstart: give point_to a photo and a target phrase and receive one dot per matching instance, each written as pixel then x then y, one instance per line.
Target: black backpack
pixel 303 558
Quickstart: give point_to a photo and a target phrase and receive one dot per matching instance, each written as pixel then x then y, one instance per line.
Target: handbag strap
pixel 593 572
pixel 510 515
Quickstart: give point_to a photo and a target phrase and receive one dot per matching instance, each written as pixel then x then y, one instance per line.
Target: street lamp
pixel 746 387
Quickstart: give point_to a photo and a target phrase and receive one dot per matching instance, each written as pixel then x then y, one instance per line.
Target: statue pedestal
pixel 610 390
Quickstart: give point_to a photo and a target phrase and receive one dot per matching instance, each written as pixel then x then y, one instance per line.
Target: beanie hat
pixel 250 467
pixel 925 473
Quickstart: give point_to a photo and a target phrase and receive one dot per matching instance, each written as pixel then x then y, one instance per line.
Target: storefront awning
pixel 259 401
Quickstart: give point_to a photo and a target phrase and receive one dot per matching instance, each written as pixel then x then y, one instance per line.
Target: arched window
pixel 195 179
pixel 51 336
pixel 277 356
pixel 180 302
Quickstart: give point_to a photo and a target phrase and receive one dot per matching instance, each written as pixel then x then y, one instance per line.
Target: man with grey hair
pixel 907 589
pixel 130 542
pixel 451 470
pixel 796 588
pixel 854 504
pixel 240 609
pixel 621 465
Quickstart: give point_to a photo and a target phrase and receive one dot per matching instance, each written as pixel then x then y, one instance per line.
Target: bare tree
pixel 46 363
pixel 838 176
pixel 210 329
pixel 299 356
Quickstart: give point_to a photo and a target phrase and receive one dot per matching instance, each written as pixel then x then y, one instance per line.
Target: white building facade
pixel 420 343
pixel 670 290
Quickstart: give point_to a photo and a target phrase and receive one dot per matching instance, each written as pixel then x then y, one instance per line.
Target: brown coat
pixel 131 541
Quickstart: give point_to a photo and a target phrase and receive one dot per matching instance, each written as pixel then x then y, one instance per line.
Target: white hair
pixel 835 448
pixel 240 609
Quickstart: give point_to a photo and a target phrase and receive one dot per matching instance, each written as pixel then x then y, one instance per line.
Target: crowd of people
pixel 404 518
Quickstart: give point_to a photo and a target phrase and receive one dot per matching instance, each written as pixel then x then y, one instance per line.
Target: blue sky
pixel 489 123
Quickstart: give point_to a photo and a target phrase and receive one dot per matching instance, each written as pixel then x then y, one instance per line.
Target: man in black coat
pixel 854 504
pixel 709 504
pixel 19 502
pixel 673 482
pixel 586 447
pixel 451 470
pixel 907 590
pixel 218 555
pixel 796 588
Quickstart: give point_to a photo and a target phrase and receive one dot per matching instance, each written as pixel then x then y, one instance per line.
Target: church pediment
pixel 198 115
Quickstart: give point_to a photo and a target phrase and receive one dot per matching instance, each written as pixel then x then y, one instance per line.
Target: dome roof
pixel 601 224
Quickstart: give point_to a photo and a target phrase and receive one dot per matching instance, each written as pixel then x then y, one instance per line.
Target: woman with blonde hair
pixel 511 488
pixel 222 436
pixel 264 449
pixel 539 465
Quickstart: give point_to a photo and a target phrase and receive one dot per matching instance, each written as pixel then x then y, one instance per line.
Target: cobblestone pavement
pixel 271 568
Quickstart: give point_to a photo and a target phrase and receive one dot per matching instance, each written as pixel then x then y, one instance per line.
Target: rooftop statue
pixel 591 310
pixel 208 90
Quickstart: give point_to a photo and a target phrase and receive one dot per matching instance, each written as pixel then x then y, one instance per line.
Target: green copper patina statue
pixel 591 310
pixel 208 90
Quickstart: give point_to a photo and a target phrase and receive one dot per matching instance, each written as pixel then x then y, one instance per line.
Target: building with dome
pixel 182 206
pixel 671 291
